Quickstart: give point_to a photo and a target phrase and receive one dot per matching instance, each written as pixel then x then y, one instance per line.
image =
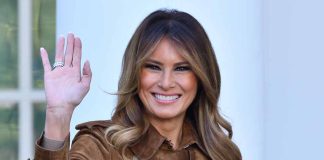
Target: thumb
pixel 86 75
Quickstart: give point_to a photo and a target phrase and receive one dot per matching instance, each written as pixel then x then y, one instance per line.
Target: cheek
pixel 189 83
pixel 144 80
pixel 143 86
pixel 147 80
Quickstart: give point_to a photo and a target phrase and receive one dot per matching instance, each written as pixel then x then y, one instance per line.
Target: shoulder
pixel 94 124
pixel 91 141
pixel 94 129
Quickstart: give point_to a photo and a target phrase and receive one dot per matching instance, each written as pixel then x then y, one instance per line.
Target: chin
pixel 168 115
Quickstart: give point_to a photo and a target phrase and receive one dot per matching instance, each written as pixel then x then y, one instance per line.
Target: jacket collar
pixel 150 143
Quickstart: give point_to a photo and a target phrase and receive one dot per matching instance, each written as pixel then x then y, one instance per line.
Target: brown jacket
pixel 90 143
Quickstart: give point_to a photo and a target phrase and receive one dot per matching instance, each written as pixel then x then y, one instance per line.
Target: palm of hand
pixel 65 87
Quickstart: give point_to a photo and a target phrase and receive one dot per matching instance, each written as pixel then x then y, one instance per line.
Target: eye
pixel 183 68
pixel 152 67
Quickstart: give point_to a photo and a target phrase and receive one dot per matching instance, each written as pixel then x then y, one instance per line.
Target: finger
pixel 69 49
pixel 77 53
pixel 86 75
pixel 46 64
pixel 59 55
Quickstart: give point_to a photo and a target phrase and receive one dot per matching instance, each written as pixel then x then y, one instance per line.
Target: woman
pixel 167 98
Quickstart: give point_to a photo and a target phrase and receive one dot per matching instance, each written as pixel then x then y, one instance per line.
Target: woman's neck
pixel 171 129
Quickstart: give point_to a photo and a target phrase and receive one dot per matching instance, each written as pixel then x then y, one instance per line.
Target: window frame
pixel 25 95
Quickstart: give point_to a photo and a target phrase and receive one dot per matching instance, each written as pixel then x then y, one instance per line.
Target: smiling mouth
pixel 166 98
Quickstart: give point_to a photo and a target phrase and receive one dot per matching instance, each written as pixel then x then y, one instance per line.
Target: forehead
pixel 167 51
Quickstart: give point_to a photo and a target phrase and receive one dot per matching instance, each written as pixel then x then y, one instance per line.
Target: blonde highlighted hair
pixel 187 34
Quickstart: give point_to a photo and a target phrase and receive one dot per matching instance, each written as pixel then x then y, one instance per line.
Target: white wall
pixel 294 79
pixel 234 29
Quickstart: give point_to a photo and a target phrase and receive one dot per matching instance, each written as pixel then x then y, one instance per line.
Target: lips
pixel 166 98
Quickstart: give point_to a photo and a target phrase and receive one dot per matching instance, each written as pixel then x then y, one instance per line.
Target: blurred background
pixel 270 54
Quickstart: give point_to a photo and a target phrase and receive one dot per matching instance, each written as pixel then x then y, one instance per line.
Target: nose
pixel 167 80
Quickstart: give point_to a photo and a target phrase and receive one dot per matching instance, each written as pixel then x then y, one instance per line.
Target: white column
pixel 25 79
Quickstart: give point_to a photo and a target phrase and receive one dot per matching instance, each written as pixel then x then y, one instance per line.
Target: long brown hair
pixel 186 33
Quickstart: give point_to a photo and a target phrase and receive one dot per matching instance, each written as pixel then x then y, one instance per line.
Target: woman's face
pixel 167 83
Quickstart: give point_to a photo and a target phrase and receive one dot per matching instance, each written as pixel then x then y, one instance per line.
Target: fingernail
pixel 70 33
pixel 41 49
pixel 76 37
pixel 61 37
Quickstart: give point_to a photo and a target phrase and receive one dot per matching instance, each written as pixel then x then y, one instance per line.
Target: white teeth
pixel 166 98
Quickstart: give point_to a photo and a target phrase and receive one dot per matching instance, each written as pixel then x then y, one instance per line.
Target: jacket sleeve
pixel 42 153
pixel 89 143
pixel 84 147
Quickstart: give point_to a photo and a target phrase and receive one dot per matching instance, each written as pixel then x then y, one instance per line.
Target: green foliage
pixel 39 119
pixel 9 132
pixel 8 44
pixel 44 24
pixel 43 32
pixel 9 128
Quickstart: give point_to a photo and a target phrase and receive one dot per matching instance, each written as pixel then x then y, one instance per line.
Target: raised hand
pixel 65 86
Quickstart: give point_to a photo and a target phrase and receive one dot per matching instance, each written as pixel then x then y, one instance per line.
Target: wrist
pixel 57 124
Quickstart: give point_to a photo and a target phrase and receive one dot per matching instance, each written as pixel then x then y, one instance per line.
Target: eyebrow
pixel 159 63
